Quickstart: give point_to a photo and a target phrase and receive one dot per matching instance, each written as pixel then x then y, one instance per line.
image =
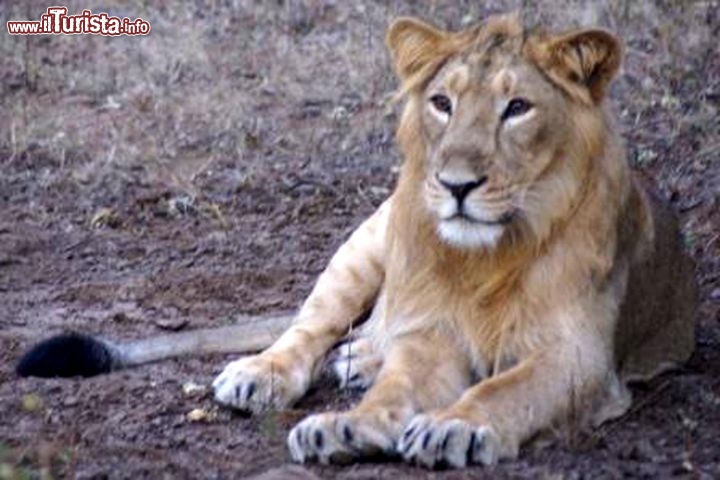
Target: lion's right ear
pixel 414 45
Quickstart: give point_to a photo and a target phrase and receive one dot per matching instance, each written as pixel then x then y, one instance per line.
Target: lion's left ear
pixel 583 62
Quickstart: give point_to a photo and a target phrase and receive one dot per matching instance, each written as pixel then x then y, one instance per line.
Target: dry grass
pixel 220 79
pixel 307 84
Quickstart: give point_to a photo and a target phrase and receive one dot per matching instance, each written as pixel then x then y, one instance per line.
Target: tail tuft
pixel 67 355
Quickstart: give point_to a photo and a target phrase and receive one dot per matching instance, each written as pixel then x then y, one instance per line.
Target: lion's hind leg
pixel 356 363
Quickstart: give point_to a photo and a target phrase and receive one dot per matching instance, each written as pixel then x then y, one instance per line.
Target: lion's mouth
pixel 463 216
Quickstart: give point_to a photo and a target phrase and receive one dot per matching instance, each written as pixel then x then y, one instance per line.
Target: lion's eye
pixel 516 107
pixel 442 103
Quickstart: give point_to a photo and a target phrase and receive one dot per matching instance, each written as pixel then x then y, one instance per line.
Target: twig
pixel 692 206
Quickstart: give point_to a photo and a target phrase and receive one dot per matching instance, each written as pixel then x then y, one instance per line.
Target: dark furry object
pixel 66 355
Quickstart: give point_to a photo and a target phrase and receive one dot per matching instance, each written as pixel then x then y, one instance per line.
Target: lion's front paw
pixel 338 438
pixel 356 364
pixel 259 383
pixel 434 442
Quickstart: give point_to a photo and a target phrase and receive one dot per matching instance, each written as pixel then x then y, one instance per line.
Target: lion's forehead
pixel 459 76
pixel 457 80
pixel 507 76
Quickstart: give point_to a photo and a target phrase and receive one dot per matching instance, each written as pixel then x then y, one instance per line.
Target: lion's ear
pixel 413 44
pixel 583 62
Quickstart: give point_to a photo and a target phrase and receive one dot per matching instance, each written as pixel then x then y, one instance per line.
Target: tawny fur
pixel 508 324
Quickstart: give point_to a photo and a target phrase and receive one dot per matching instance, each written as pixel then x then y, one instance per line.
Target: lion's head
pixel 501 124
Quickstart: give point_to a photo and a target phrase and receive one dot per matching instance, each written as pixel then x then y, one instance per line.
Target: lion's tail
pixel 75 354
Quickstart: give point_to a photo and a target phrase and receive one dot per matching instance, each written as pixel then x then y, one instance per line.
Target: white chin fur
pixel 464 234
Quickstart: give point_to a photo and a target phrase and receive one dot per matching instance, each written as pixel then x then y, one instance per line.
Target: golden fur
pixel 496 315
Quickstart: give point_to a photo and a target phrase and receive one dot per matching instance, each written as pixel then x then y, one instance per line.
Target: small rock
pixel 32 402
pixel 191 389
pixel 199 415
pixel 105 217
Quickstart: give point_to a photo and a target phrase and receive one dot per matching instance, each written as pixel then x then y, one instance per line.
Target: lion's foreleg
pixel 494 417
pixel 421 371
pixel 345 290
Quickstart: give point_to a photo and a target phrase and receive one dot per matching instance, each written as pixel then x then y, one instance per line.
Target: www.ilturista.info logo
pixel 56 21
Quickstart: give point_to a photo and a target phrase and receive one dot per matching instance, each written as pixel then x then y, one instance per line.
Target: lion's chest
pixel 478 316
pixel 497 315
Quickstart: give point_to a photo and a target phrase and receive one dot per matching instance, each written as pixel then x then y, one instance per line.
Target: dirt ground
pixel 210 169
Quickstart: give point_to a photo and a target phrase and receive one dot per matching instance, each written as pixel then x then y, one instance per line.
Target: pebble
pixel 191 389
pixel 199 415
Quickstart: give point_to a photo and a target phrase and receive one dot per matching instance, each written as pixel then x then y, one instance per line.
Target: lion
pixel 518 276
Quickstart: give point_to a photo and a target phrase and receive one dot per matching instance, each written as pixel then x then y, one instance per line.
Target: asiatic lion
pixel 519 271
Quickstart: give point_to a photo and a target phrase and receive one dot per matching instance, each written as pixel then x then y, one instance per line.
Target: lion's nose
pixel 462 189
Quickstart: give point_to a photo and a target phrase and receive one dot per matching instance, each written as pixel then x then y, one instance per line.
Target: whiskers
pixel 518 211
pixel 533 205
pixel 497 204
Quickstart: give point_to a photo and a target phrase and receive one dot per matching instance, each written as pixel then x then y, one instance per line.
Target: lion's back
pixel 656 326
